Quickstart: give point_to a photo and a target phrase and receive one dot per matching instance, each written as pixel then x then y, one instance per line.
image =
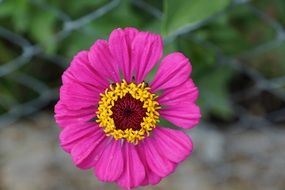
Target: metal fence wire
pixel 43 94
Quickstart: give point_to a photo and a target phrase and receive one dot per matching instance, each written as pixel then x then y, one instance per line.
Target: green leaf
pixel 122 16
pixel 78 41
pixel 21 15
pixel 42 29
pixel 6 8
pixel 214 96
pixel 16 12
pixel 181 14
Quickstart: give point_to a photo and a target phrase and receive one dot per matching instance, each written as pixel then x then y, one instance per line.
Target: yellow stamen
pixel 139 92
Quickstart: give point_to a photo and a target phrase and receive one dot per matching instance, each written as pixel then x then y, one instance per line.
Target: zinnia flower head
pixel 109 112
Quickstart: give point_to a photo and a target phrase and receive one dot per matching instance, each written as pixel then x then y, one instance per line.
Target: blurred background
pixel 237 49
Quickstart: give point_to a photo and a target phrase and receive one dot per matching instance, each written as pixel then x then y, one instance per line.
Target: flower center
pixel 128 111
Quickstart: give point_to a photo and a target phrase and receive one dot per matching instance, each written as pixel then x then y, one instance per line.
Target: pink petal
pixel 150 179
pixel 131 33
pixel 185 115
pixel 71 135
pixel 80 70
pixel 110 166
pixel 120 48
pixel 156 161
pixel 186 92
pixel 92 159
pixel 88 151
pixel 81 84
pixel 173 144
pixel 150 176
pixel 101 59
pixel 146 52
pixel 134 172
pixel 77 96
pixel 65 117
pixel 174 69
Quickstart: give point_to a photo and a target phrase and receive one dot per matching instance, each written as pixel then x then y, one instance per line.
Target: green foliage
pixel 240 26
pixel 214 95
pixel 276 9
pixel 232 33
pixel 275 58
pixel 42 30
pixel 211 78
pixel 27 19
pixel 186 13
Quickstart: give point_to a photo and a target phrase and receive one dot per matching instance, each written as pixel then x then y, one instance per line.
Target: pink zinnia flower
pixel 109 113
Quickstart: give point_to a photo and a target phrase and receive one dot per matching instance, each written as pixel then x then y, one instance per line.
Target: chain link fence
pixel 45 95
pixel 29 51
